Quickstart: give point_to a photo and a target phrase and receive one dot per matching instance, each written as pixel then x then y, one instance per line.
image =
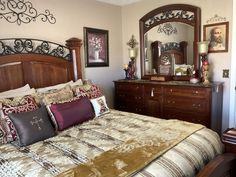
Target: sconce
pixel 130 71
pixel 203 52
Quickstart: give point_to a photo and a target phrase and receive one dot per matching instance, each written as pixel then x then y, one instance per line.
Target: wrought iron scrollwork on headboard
pixel 18 11
pixel 23 45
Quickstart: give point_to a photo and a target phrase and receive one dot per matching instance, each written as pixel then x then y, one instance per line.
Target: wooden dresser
pixel 182 100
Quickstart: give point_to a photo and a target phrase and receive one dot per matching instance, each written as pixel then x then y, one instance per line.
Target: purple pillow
pixel 72 113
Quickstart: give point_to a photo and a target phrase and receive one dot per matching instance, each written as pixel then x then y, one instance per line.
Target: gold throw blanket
pixel 137 151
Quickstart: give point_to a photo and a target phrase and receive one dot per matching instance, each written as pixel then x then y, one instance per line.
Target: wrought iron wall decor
pixel 23 45
pixel 215 19
pixel 18 11
pixel 167 29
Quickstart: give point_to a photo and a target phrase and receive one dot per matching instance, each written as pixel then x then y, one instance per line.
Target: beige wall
pixel 71 17
pixel 219 61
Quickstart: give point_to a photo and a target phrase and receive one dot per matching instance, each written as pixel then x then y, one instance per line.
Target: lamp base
pixel 205 71
pixel 132 69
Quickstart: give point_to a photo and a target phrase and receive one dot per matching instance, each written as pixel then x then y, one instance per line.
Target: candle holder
pixel 203 52
pixel 132 51
pixel 126 69
pixel 132 69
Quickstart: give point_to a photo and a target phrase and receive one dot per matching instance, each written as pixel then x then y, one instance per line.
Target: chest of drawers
pixel 195 103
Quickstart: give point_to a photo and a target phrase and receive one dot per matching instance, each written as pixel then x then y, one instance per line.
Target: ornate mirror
pixel 168 41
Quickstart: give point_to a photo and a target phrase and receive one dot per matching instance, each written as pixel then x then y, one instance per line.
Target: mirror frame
pixel 183 13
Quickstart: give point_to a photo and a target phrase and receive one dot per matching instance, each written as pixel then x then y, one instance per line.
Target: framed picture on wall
pixel 217 35
pixel 96 47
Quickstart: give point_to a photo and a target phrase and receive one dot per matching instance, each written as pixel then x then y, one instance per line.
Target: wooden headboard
pixel 38 63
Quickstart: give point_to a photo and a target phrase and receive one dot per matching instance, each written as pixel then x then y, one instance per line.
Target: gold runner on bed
pixel 134 154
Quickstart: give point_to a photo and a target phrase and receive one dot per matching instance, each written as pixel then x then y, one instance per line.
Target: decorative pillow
pixel 14 105
pixel 32 126
pixel 20 89
pixel 56 96
pixel 54 87
pixel 87 90
pixel 18 94
pixel 72 113
pixel 51 114
pixel 76 83
pixel 100 106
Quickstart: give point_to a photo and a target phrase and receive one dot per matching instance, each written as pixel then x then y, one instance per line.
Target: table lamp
pixel 203 52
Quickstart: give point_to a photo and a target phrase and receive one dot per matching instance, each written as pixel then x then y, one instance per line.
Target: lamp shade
pixel 203 47
pixel 132 53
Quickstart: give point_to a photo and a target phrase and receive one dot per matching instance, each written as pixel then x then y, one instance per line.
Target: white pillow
pixel 17 94
pixel 76 83
pixel 20 89
pixel 100 106
pixel 54 87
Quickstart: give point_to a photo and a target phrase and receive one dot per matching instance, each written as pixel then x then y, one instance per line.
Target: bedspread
pixel 78 145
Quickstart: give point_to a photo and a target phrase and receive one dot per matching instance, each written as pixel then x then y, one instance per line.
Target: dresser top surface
pixel 171 83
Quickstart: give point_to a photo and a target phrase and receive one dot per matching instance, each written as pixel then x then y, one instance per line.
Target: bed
pixel 103 142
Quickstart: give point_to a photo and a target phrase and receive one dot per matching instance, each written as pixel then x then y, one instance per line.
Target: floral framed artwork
pixel 217 35
pixel 96 47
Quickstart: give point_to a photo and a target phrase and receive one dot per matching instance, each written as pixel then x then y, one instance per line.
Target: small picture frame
pixel 96 47
pixel 217 35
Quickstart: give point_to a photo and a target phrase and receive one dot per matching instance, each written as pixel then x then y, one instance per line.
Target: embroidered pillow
pixel 100 106
pixel 72 113
pixel 32 126
pixel 14 105
pixel 54 87
pixel 88 90
pixel 56 96
pixel 76 83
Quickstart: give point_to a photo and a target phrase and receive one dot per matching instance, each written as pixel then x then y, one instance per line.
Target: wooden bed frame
pixel 38 63
pixel 43 66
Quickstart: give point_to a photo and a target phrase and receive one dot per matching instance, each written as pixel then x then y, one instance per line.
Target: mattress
pixel 82 143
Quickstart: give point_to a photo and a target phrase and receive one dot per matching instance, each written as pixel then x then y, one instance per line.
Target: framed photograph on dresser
pixel 96 47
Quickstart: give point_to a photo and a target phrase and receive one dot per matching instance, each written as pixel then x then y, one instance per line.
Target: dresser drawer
pixel 153 92
pixel 128 107
pixel 129 88
pixel 187 104
pixel 187 92
pixel 187 116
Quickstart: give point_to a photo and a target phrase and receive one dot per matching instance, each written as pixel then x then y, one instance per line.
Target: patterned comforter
pixel 79 144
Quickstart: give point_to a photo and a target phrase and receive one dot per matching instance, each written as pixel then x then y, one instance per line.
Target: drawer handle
pixel 171 90
pixel 172 102
pixel 195 92
pixel 152 93
pixel 196 105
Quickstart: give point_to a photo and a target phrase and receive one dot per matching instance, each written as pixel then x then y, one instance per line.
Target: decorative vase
pixel 96 55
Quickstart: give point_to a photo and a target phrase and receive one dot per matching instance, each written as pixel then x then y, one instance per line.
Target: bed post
pixel 74 45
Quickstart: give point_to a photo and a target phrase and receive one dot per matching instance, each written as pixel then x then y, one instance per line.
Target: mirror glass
pixel 170 32
pixel 168 42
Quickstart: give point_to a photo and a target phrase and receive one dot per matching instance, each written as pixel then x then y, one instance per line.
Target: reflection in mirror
pixel 180 36
pixel 170 25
